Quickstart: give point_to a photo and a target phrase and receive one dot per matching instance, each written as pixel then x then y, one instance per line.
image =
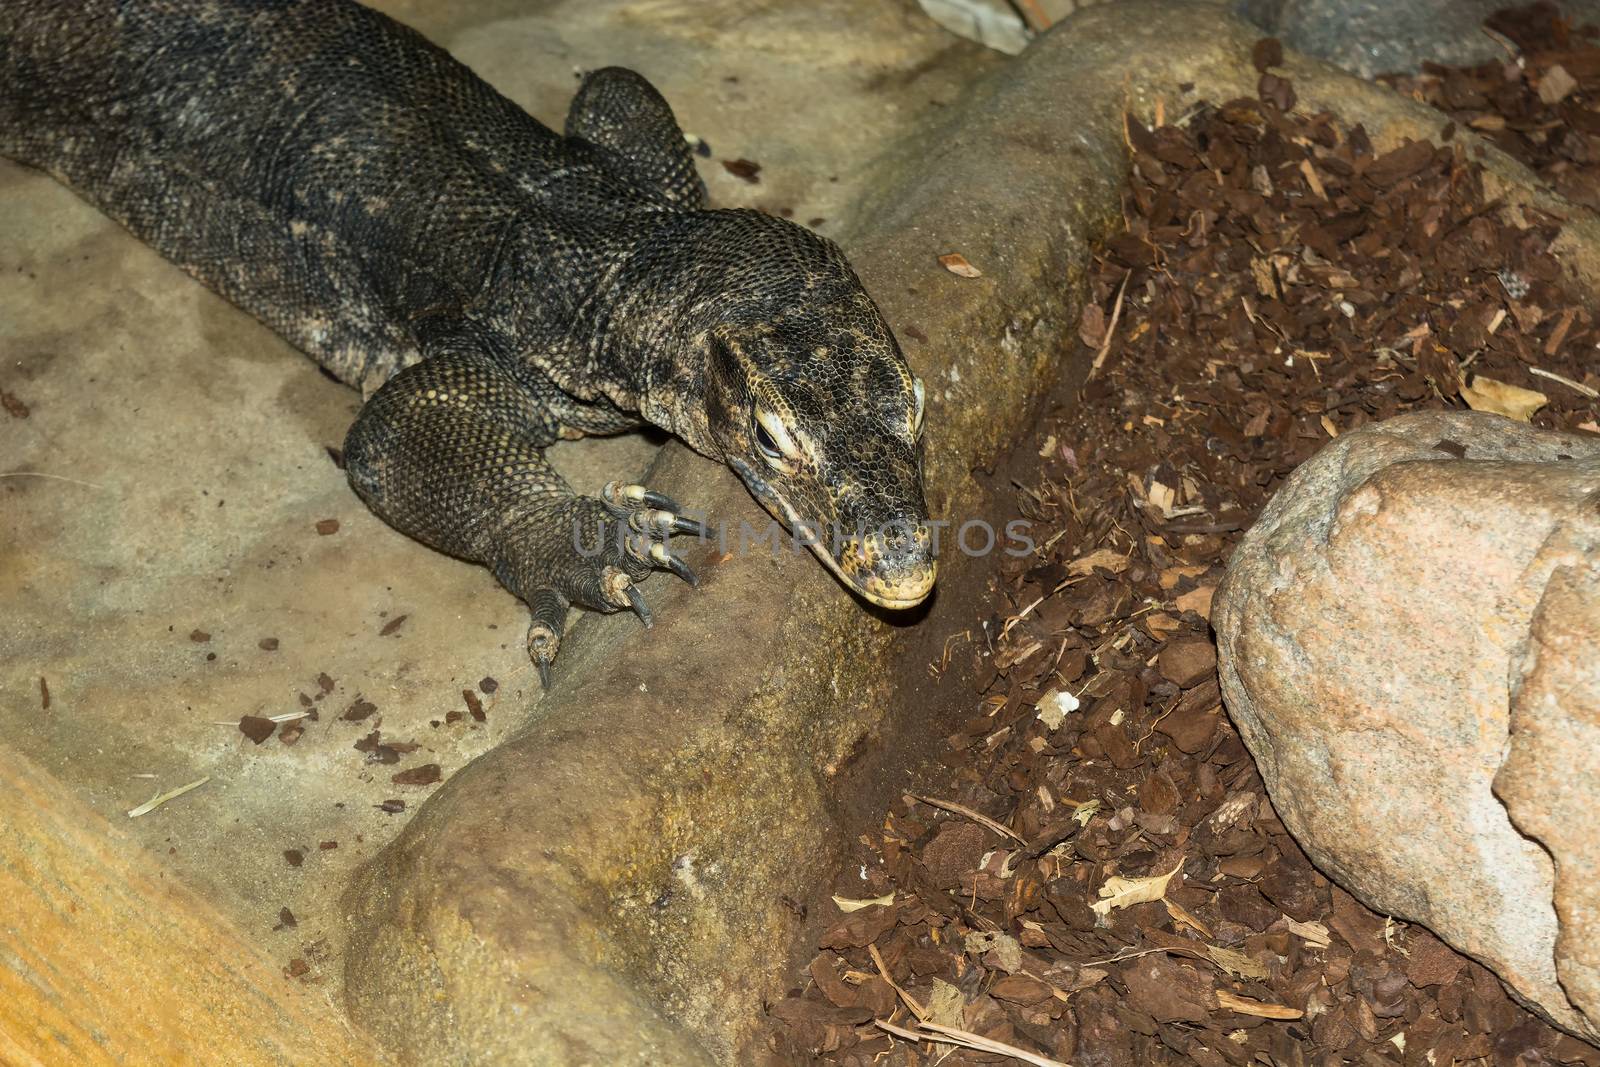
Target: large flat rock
pixel 171 472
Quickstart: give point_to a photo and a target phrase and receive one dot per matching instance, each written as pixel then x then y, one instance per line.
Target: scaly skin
pixel 491 286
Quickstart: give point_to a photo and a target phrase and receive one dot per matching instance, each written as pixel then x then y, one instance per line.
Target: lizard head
pixel 810 401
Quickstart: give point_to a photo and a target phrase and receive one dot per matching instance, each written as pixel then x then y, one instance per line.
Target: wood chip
pixel 1259 1009
pixel 426 774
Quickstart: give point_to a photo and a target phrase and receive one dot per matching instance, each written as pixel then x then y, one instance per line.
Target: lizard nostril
pixel 896 543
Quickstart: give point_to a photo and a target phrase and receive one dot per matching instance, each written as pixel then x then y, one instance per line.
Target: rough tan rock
pixel 1548 781
pixel 1405 638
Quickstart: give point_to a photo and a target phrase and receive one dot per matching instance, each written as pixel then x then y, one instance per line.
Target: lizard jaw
pixel 898 593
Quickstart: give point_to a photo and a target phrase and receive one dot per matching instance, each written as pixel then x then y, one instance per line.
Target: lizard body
pixel 490 285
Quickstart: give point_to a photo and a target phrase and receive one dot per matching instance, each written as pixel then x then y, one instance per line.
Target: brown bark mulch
pixel 1536 102
pixel 1100 878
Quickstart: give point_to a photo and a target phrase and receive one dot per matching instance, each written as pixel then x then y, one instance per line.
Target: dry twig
pixel 172 794
pixel 1111 328
pixel 976 816
pixel 967 1039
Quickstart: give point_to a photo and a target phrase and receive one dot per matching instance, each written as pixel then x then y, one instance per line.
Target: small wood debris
pixel 426 774
pixel 743 169
pixel 256 727
pixel 359 709
pixel 326 527
pixel 393 626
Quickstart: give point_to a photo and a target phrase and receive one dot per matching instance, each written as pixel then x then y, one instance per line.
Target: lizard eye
pixel 916 416
pixel 773 440
pixel 769 447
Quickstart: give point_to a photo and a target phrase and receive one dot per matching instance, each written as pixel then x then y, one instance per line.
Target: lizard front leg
pixel 451 452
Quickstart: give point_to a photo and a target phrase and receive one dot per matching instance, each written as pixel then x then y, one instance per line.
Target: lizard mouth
pixel 896 576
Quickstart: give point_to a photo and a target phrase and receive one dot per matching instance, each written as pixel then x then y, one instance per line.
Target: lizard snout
pixel 893 567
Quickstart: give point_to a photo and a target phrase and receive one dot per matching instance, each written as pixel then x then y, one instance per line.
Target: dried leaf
pixel 1173 575
pixel 256 727
pixel 1512 401
pixel 1185 917
pixel 1120 892
pixel 1004 946
pixel 1236 963
pixel 1105 558
pixel 426 774
pixel 1313 932
pixel 945 1004
pixel 1092 325
pixel 1163 496
pixel 1266 280
pixel 957 264
pixel 744 169
pixel 1054 707
pixel 848 904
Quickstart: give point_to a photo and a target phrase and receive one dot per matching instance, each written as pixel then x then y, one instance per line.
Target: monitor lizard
pixel 490 285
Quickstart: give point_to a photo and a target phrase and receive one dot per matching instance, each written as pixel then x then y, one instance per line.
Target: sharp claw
pixel 681 525
pixel 544 673
pixel 665 524
pixel 660 501
pixel 628 496
pixel 660 554
pixel 636 600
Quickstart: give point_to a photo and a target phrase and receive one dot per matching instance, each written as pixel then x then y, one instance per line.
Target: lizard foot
pixel 616 542
pixel 652 518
